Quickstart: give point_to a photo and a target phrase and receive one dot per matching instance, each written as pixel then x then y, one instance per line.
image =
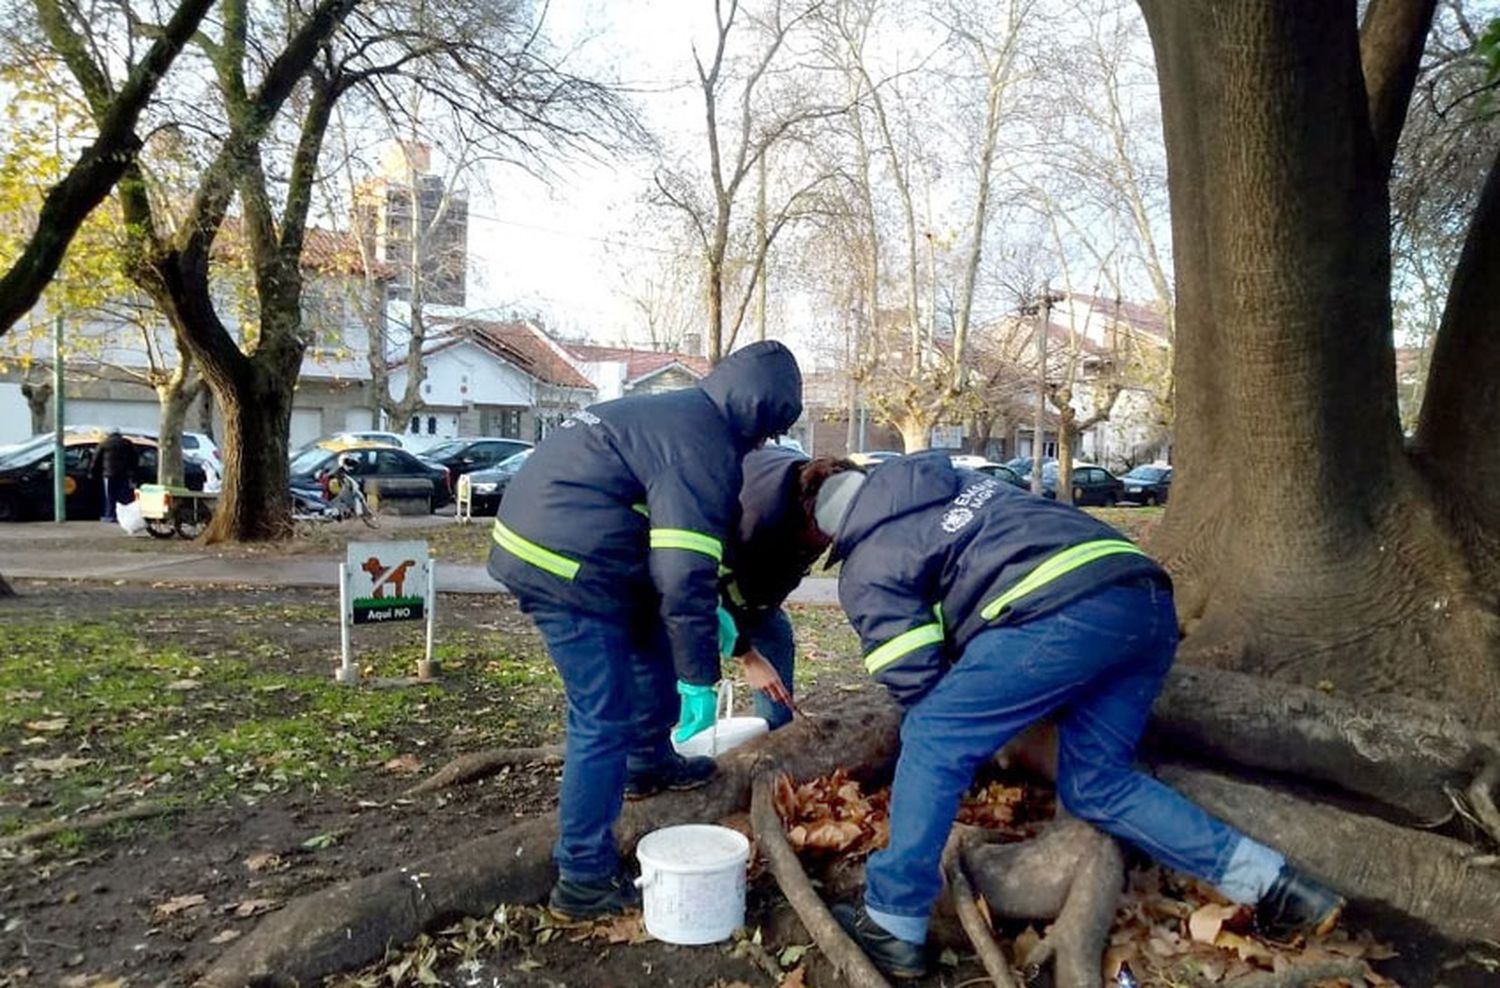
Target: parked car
pixel 375 437
pixel 872 459
pixel 463 456
pixel 487 487
pixel 1147 485
pixel 388 473
pixel 26 474
pixel 1091 485
pixel 1022 465
pixel 992 469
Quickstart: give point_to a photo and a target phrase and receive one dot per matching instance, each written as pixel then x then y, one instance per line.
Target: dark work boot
pixel 573 900
pixel 892 955
pixel 1296 906
pixel 676 772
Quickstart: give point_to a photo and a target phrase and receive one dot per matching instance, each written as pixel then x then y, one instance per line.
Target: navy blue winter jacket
pixel 934 555
pixel 766 558
pixel 628 504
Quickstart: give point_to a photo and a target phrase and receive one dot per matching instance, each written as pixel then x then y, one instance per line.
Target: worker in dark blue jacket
pixel 611 536
pixel 983 609
pixel 775 543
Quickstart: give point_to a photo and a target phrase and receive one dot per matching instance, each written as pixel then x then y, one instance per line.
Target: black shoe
pixel 573 901
pixel 892 955
pixel 676 772
pixel 1296 906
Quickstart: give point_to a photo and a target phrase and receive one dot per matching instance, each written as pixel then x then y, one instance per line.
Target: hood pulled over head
pixel 758 389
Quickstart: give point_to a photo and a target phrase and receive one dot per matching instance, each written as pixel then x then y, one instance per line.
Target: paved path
pixel 53 562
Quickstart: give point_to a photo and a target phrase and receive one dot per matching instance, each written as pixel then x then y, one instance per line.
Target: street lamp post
pixel 59 455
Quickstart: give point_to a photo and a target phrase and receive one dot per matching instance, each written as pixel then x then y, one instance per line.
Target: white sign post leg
pixel 347 671
pixel 426 668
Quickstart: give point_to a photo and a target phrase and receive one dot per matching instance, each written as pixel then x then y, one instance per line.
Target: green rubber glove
pixel 698 710
pixel 728 634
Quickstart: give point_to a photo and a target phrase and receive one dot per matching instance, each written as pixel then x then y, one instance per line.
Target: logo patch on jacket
pixel 956 518
pixel 582 415
pixel 969 500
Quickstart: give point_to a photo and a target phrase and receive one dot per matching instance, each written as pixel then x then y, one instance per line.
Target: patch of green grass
pixel 115 709
pixel 1134 523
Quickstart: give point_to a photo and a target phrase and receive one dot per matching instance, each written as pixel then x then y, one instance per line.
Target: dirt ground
pixel 218 707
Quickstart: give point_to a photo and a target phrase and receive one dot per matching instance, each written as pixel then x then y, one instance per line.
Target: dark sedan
pixel 385 473
pixel 1147 485
pixel 487 487
pixel 26 475
pixel 463 456
pixel 1002 472
pixel 1091 485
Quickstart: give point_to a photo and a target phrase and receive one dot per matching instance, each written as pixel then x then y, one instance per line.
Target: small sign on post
pixel 381 582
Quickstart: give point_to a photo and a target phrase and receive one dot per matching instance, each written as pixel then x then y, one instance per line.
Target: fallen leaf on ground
pixel 184 685
pixel 1208 919
pixel 264 861
pixel 178 903
pixel 628 928
pixel 795 978
pixel 224 936
pixel 47 726
pixel 404 764
pixel 250 907
pixel 57 766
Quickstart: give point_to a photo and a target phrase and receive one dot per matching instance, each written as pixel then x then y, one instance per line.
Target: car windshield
pixel 309 460
pixel 1049 471
pixel 1148 474
pixel 450 448
pixel 513 462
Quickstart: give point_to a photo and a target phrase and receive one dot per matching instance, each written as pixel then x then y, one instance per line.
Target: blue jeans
pixel 1098 665
pixel 622 702
pixel 771 634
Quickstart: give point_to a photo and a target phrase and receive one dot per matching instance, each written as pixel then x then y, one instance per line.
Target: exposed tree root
pixel 1481 799
pixel 974 925
pixel 140 811
pixel 845 955
pixel 483 764
pixel 1297 977
pixel 350 924
pixel 1431 878
pixel 1401 753
pixel 1071 874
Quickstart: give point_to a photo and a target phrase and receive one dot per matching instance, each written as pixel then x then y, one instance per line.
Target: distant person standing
pixel 115 463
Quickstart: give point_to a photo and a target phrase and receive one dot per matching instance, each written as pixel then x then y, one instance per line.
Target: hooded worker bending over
pixel 773 546
pixel 611 536
pixel 983 609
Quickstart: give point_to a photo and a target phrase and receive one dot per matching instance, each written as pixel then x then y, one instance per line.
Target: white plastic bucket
pixel 693 882
pixel 728 732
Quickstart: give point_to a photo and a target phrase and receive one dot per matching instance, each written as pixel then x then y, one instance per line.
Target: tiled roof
pixel 1138 314
pixel 638 363
pixel 323 250
pixel 522 345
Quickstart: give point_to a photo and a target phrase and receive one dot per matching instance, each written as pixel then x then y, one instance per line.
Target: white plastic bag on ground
pixel 130 518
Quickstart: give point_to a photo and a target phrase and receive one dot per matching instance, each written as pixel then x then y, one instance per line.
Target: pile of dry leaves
pixel 1168 929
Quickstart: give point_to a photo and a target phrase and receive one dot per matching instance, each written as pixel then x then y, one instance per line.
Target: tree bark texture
pixel 1303 543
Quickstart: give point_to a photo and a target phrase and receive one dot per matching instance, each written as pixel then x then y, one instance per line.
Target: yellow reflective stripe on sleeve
pixel 641 510
pixel 538 556
pixel 734 593
pixel 903 645
pixel 1057 565
pixel 682 538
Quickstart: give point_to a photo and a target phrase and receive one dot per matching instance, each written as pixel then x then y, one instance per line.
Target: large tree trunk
pixel 38 395
pixel 1303 544
pixel 175 395
pixel 257 405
